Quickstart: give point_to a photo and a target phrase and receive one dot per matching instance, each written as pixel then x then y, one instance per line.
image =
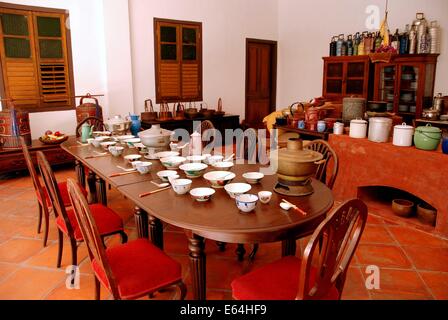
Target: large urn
pixel 295 167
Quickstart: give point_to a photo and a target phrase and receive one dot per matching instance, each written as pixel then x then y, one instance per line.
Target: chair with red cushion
pixel 41 193
pixel 322 271
pixel 109 223
pixel 128 271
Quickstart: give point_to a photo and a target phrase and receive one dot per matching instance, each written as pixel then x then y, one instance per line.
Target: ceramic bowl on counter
pixel 196 158
pixel 132 157
pixel 166 154
pixel 246 202
pixel 101 134
pixel 402 207
pixel 116 151
pixel 212 159
pixel 132 142
pixel 236 189
pixel 166 174
pixel 172 163
pixel 181 186
pixel 98 140
pixel 223 166
pixel 202 194
pixel 265 196
pixel 193 170
pixel 122 139
pixel 253 177
pixel 218 179
pixel 143 167
pixel 107 144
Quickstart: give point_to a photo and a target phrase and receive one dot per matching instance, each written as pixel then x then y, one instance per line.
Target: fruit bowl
pixel 53 139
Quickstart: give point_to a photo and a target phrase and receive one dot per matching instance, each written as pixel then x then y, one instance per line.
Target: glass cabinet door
pixel 409 78
pixel 334 80
pixel 355 78
pixel 387 85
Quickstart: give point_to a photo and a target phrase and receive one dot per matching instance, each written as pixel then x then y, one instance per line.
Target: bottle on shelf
pixel 378 41
pixel 339 45
pixel 404 41
pixel 361 46
pixel 344 48
pixel 333 46
pixel 368 43
pixel 350 45
pixel 434 33
pixel 395 41
pixel 356 42
pixel 412 41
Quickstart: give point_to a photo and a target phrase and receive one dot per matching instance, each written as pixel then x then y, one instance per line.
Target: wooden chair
pixel 206 125
pixel 97 123
pixel 329 154
pixel 128 271
pixel 322 271
pixel 108 221
pixel 43 200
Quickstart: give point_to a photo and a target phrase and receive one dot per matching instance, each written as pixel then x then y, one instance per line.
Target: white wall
pixel 306 27
pixel 225 24
pixel 87 35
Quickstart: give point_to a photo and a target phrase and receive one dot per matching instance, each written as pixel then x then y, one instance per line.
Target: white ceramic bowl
pixel 132 142
pixel 132 157
pixel 116 151
pixel 107 144
pixel 236 189
pixel 143 166
pixel 90 141
pixel 246 202
pixel 181 186
pixel 98 140
pixel 165 174
pixel 193 170
pixel 212 159
pixel 123 138
pixel 166 154
pixel 196 158
pixel 172 163
pixel 223 166
pixel 265 196
pixel 253 177
pixel 202 194
pixel 218 179
pixel 135 163
pixel 101 134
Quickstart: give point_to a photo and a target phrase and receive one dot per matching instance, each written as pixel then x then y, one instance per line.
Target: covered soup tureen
pixel 156 137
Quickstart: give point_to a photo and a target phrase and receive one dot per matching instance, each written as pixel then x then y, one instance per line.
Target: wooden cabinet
pixel 12 160
pixel 406 83
pixel 346 76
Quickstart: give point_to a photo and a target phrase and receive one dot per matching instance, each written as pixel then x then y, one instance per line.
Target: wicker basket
pixel 53 142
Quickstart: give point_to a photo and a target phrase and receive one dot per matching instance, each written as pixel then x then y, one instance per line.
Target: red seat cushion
pixel 64 194
pixel 275 281
pixel 139 267
pixel 106 219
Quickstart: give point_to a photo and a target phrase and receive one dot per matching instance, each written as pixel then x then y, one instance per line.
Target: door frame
pixel 273 93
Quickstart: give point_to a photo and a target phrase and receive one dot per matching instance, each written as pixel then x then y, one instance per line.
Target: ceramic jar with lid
pixel 403 135
pixel 358 129
pixel 338 128
pixel 379 129
pixel 427 138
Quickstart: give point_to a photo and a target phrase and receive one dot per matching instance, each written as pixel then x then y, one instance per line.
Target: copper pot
pixel 296 164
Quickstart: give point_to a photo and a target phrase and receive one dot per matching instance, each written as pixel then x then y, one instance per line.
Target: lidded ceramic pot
pixel 403 135
pixel 427 138
pixel 155 137
pixel 379 129
pixel 296 164
pixel 358 129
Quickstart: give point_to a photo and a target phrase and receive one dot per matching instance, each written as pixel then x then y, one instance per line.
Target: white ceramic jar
pixel 358 129
pixel 379 129
pixel 338 128
pixel 403 135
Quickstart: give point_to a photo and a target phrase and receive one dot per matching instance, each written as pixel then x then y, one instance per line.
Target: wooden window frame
pixel 68 57
pixel 179 43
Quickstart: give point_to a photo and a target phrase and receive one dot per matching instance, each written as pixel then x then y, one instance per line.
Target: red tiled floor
pixel 437 282
pixel 382 256
pixel 413 264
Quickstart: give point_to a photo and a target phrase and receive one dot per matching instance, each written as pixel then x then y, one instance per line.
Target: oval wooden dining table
pixel 218 219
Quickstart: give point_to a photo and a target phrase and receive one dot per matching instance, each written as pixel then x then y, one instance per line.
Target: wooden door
pixel 261 65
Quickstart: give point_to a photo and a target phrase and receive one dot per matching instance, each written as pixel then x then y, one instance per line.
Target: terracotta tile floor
pixel 413 264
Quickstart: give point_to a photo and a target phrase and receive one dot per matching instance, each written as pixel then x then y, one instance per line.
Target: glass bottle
pixel 350 45
pixel 361 46
pixel 395 41
pixel 404 41
pixel 339 44
pixel 412 41
pixel 356 41
pixel 333 47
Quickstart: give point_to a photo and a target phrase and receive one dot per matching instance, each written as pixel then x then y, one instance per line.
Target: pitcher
pixel 86 132
pixel 136 124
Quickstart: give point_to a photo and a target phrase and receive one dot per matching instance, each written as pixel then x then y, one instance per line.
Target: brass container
pixel 296 164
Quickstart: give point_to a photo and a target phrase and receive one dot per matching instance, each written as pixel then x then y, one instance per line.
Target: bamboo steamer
pixel 8 135
pixel 86 110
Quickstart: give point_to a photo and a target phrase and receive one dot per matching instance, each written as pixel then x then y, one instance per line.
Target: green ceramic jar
pixel 427 138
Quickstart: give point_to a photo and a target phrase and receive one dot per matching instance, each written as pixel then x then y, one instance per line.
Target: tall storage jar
pixel 379 129
pixel 358 129
pixel 427 138
pixel 353 108
pixel 403 135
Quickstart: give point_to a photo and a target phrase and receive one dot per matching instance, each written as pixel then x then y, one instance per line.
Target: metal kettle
pixel 438 103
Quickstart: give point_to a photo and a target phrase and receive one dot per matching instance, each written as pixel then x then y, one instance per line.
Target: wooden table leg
pixel 197 265
pixel 141 221
pixel 101 191
pixel 80 173
pixel 92 187
pixel 156 231
pixel 240 252
pixel 289 247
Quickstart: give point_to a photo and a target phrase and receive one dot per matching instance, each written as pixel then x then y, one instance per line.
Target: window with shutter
pixel 178 60
pixel 35 58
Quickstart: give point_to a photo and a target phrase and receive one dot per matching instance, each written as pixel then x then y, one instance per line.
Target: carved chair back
pixel 329 154
pixel 97 123
pixel 34 176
